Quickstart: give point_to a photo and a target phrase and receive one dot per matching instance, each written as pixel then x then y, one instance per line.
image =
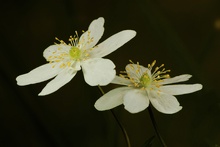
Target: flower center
pixel 75 53
pixel 145 80
pixel 142 78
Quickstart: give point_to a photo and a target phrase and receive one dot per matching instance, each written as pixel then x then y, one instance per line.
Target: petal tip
pixel 174 111
pixel 42 93
pixel 132 111
pixel 199 86
pixel 97 107
pixel 188 76
pixel 20 81
pixel 132 33
pixel 101 19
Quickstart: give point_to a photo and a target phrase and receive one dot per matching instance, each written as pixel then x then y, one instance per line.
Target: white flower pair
pixel 141 85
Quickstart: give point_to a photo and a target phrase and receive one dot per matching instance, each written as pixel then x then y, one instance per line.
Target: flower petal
pixel 176 79
pixel 56 50
pixel 39 74
pixel 98 71
pixel 136 100
pixel 61 79
pixel 164 103
pixel 180 89
pixel 91 37
pixel 111 99
pixel 112 43
pixel 121 81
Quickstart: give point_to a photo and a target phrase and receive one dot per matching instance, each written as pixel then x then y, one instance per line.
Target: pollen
pixel 145 80
pixel 75 53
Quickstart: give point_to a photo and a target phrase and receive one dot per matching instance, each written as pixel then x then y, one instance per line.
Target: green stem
pixel 155 126
pixel 119 123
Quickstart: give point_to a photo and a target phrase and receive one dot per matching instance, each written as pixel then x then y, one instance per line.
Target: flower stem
pixel 155 126
pixel 119 123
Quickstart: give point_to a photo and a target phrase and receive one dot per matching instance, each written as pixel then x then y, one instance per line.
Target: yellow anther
pixel 122 76
pixel 131 61
pixel 68 64
pixel 153 63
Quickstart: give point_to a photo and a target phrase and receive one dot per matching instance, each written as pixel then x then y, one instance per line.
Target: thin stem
pixel 155 126
pixel 119 123
pixel 122 128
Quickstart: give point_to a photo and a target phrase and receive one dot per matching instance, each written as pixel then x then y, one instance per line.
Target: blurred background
pixel 183 34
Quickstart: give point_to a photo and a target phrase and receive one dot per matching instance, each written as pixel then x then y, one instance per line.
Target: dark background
pixel 183 34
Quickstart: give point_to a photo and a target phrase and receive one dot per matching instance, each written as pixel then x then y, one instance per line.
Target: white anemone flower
pixel 142 86
pixel 81 53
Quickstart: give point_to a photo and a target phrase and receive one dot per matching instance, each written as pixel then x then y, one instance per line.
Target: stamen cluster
pixel 66 57
pixel 142 77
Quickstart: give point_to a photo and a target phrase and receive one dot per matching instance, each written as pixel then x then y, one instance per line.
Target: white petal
pixel 111 99
pixel 98 71
pixel 76 65
pixel 94 32
pixel 61 79
pixel 180 89
pixel 112 43
pixel 121 81
pixel 39 74
pixel 176 79
pixel 56 50
pixel 136 100
pixel 164 103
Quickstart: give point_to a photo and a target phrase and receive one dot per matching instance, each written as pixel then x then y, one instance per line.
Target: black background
pixel 183 34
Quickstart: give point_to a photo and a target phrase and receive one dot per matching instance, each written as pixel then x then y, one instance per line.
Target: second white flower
pixel 142 86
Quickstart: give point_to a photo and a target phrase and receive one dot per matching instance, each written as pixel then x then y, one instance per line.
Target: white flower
pixel 142 86
pixel 66 59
